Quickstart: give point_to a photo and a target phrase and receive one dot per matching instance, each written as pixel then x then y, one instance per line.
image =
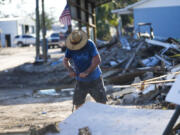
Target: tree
pixel 49 20
pixel 102 24
pixel 105 19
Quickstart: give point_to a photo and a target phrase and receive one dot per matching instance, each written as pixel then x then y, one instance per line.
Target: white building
pixel 10 27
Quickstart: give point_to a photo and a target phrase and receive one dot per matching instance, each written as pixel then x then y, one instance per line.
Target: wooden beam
pixel 94 21
pixel 79 14
pixel 132 57
pixel 78 6
pixel 153 82
pixel 87 19
pixel 91 25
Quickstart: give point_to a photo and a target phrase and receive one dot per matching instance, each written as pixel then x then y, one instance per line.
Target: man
pixel 87 72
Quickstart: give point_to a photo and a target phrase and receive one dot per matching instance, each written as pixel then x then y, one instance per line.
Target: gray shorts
pixel 95 88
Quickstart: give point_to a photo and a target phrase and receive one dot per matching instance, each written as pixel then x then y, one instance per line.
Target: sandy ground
pixel 12 57
pixel 23 116
pixel 19 109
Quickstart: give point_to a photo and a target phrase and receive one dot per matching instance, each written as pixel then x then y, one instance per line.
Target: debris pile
pixel 141 74
pixel 142 53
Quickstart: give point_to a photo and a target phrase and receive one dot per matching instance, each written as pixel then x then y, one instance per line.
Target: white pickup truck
pixel 55 40
pixel 24 40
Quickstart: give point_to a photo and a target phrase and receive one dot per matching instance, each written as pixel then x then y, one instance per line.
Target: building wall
pixel 159 3
pixel 8 28
pixel 15 27
pixel 165 20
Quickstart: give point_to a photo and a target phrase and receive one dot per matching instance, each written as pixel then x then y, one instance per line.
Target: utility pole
pixel 44 33
pixel 37 30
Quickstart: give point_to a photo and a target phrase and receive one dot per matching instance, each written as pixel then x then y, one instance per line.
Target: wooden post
pixel 37 30
pixel 44 33
pixel 79 14
pixel 87 19
pixel 94 21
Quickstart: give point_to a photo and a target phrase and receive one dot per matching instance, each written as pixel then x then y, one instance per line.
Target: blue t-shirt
pixel 82 59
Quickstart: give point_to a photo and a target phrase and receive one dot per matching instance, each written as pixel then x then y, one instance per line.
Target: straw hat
pixel 76 40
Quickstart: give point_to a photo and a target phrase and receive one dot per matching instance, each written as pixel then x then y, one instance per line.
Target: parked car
pixel 24 40
pixel 53 40
pixel 56 40
pixel 63 37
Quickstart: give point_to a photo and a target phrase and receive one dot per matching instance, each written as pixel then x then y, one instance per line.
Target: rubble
pixel 165 45
pixel 145 73
pixel 84 131
pixel 150 62
pixel 130 98
pixel 53 92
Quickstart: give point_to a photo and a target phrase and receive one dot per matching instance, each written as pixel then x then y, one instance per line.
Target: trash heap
pixel 142 72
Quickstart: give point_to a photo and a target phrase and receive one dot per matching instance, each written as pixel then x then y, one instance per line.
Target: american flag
pixel 65 17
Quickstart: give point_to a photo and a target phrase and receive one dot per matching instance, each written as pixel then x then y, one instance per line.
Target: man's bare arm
pixel 68 67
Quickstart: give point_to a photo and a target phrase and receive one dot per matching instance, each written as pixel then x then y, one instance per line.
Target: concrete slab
pixel 174 93
pixel 110 120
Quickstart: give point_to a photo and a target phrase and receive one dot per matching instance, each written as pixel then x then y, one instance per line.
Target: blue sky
pixel 24 7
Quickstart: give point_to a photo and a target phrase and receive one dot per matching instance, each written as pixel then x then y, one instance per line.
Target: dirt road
pixel 13 57
pixel 18 70
pixel 22 113
pixel 20 110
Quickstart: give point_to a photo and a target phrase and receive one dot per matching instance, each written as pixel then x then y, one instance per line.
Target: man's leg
pixel 98 91
pixel 79 94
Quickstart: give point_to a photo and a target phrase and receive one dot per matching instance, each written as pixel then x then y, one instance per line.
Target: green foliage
pixel 105 19
pixel 49 21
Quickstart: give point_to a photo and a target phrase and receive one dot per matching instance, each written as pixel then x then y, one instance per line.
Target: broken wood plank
pixel 159 43
pixel 163 60
pixel 160 77
pixel 139 85
pixel 133 56
pixel 110 73
pixel 154 82
pixel 124 78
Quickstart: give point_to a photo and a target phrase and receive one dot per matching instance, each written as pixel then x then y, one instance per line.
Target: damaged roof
pixel 128 9
pixel 147 4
